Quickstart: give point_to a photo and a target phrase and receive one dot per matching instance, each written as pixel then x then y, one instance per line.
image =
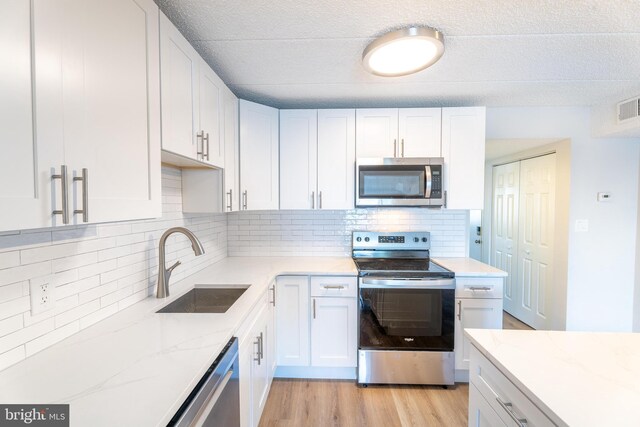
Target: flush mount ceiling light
pixel 403 52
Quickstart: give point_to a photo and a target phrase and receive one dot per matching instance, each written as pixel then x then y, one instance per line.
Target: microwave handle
pixel 427 186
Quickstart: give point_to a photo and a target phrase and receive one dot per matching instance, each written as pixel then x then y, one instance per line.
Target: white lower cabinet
pixel 478 305
pixel 255 366
pixel 495 401
pixel 333 332
pixel 292 320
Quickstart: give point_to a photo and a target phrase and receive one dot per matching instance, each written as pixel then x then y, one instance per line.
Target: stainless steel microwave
pixel 406 181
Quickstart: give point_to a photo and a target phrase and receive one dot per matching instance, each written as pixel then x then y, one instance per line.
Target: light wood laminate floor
pixel 510 322
pixel 302 403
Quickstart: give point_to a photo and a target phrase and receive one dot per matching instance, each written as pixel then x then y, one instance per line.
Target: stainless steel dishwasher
pixel 215 401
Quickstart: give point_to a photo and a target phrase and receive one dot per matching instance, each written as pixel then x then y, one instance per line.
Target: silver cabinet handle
pixel 257 358
pixel 313 200
pixel 320 200
pixel 200 137
pixel 402 148
pixel 261 339
pixel 230 205
pixel 64 211
pixel 314 308
pixel 395 148
pixel 206 138
pixel 460 310
pixel 85 195
pixel 480 288
pixel 244 200
pixel 508 407
pixel 333 286
pixel 273 301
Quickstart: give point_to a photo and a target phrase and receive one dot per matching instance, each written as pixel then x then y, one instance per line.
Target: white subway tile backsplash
pixel 11 357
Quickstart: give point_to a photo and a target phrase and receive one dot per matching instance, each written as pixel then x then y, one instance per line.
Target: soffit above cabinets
pixel 306 53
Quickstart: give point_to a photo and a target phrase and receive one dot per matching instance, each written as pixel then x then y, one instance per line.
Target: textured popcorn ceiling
pixel 306 53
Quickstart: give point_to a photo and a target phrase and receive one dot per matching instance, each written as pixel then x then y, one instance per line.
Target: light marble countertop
pixel 137 367
pixel 469 267
pixel 575 378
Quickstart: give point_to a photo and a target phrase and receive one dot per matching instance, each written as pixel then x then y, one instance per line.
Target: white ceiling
pixel 497 148
pixel 306 53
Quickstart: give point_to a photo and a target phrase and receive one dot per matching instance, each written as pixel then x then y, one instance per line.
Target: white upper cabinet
pixel 377 132
pixel 24 168
pixel 231 152
pixel 97 113
pixel 317 159
pixel 298 158
pixel 463 141
pixel 258 156
pixel 393 132
pixel 336 159
pixel 180 81
pixel 419 132
pixel 191 100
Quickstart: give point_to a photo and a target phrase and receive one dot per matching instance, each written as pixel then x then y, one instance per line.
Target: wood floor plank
pixel 510 322
pixel 323 403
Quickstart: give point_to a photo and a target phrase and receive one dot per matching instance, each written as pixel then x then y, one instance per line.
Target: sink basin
pixel 206 300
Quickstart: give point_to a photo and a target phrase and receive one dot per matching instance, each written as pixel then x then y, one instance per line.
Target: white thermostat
pixel 604 197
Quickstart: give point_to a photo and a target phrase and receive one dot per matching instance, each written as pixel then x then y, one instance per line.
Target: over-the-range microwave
pixel 406 181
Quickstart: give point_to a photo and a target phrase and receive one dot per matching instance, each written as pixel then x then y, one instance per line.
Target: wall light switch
pixel 581 226
pixel 42 295
pixel 604 197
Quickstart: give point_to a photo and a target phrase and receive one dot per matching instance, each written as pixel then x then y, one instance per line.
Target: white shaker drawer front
pixel 472 287
pixel 512 406
pixel 334 286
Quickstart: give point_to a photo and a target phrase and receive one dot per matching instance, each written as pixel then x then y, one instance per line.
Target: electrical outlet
pixel 42 295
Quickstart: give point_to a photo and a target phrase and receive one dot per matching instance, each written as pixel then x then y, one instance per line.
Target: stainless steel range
pixel 406 310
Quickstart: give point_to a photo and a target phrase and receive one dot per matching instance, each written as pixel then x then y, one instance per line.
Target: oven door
pixel 410 314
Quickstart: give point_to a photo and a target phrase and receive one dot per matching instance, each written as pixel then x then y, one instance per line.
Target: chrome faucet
pixel 165 273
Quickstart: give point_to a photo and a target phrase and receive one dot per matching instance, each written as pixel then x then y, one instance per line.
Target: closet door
pixel 535 239
pixel 506 179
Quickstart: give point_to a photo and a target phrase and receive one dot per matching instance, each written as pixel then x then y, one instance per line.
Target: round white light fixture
pixel 403 52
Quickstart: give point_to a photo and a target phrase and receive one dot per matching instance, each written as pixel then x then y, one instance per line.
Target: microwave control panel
pixel 436 181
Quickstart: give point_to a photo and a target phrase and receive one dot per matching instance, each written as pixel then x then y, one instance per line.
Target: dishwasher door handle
pixel 211 401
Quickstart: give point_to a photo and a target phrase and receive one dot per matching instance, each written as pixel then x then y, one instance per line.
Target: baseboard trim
pixel 462 376
pixel 307 372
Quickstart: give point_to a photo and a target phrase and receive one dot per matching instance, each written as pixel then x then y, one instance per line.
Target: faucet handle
pixel 170 269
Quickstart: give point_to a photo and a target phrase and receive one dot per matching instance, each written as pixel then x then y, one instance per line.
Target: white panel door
pixel 480 313
pixel 112 110
pixel 180 78
pixel 535 239
pixel 231 152
pixel 334 332
pixel 481 414
pixel 292 320
pixel 298 159
pixel 419 132
pixel 377 132
pixel 258 156
pixel 210 111
pixel 25 168
pixel 336 159
pixel 504 230
pixel 463 141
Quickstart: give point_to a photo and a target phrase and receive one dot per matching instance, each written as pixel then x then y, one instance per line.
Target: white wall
pixel 601 262
pixel 98 270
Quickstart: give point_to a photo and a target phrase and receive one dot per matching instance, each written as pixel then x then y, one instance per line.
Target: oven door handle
pixel 384 283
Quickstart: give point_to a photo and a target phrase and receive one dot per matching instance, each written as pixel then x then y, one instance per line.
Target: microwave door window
pixel 389 184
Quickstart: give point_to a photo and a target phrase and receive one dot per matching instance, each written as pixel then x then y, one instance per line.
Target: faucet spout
pixel 164 273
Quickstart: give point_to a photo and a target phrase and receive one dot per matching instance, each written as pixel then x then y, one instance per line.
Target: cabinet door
pixel 211 141
pixel 474 313
pixel 377 132
pixel 298 159
pixel 270 343
pixel 180 78
pixel 246 354
pixel 481 414
pixel 260 369
pixel 463 141
pixel 419 132
pixel 333 332
pixel 110 104
pixel 258 156
pixel 292 320
pixel 231 152
pixel 336 159
pixel 25 166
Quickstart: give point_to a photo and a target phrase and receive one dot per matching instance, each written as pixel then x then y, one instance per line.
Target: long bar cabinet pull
pixel 85 195
pixel 64 211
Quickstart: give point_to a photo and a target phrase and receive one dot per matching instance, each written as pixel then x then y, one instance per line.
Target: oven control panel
pixel 411 240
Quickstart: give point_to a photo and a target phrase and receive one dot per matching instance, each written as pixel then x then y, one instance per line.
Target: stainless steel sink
pixel 206 300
